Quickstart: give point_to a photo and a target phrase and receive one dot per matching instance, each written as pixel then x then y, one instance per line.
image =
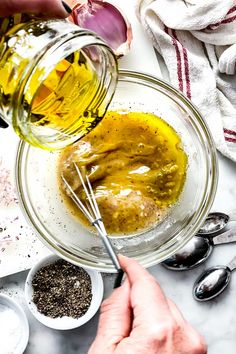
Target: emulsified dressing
pixel 137 167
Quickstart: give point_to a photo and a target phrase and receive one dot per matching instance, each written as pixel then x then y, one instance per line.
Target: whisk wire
pixel 97 211
pixel 93 214
pixel 91 202
pixel 77 201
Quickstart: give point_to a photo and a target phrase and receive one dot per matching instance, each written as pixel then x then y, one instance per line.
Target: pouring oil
pixel 56 79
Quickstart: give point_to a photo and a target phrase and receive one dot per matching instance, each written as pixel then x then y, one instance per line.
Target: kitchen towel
pixel 196 41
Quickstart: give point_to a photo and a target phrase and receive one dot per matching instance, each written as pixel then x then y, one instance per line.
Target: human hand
pixel 138 319
pixel 50 8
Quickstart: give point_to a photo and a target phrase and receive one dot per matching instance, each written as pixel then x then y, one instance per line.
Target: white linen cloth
pixel 196 40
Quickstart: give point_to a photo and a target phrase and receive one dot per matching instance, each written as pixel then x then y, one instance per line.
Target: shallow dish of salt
pixel 14 334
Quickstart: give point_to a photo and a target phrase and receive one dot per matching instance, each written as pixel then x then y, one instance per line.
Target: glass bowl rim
pixel 146 260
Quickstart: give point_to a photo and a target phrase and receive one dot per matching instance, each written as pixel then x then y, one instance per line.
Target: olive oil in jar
pixel 56 80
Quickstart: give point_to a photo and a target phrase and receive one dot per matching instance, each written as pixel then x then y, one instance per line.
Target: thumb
pixel 52 8
pixel 114 322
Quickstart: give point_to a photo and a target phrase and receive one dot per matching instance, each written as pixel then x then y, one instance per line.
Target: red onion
pixel 106 20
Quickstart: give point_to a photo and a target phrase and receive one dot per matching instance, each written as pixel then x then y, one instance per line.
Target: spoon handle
pixel 226 237
pixel 232 216
pixel 232 264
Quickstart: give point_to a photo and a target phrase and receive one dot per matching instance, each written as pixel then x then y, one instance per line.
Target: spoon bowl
pixel 216 222
pixel 197 250
pixel 211 283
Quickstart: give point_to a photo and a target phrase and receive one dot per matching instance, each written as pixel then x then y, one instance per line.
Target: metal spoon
pixel 213 281
pixel 197 250
pixel 216 222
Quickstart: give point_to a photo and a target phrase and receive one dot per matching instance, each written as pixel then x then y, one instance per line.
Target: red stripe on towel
pixel 217 24
pixel 186 67
pixel 231 10
pixel 228 20
pixel 212 25
pixel 178 58
pixel 230 140
pixel 186 64
pixel 228 131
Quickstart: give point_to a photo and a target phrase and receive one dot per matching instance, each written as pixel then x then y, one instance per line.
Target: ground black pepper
pixel 62 289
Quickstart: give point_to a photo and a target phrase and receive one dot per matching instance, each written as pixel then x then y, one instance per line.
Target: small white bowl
pixel 8 302
pixel 65 322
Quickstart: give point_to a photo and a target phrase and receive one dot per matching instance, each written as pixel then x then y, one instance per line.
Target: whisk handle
pixel 107 243
pixel 118 279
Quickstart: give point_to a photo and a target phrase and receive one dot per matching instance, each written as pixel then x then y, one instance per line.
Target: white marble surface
pixel 215 320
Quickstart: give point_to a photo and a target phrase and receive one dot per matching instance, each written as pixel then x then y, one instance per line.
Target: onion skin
pixel 104 19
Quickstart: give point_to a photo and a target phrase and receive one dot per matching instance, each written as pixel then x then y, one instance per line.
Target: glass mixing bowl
pixel 37 184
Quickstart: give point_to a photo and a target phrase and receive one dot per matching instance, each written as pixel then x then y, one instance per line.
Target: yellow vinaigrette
pixel 137 167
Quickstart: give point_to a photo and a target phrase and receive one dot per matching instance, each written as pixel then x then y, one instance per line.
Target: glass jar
pixel 56 79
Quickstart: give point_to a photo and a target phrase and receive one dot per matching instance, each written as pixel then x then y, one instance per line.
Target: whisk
pixel 92 213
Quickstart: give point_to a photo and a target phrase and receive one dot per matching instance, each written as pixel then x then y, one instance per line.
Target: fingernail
pixel 66 7
pixel 3 124
pixel 122 256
